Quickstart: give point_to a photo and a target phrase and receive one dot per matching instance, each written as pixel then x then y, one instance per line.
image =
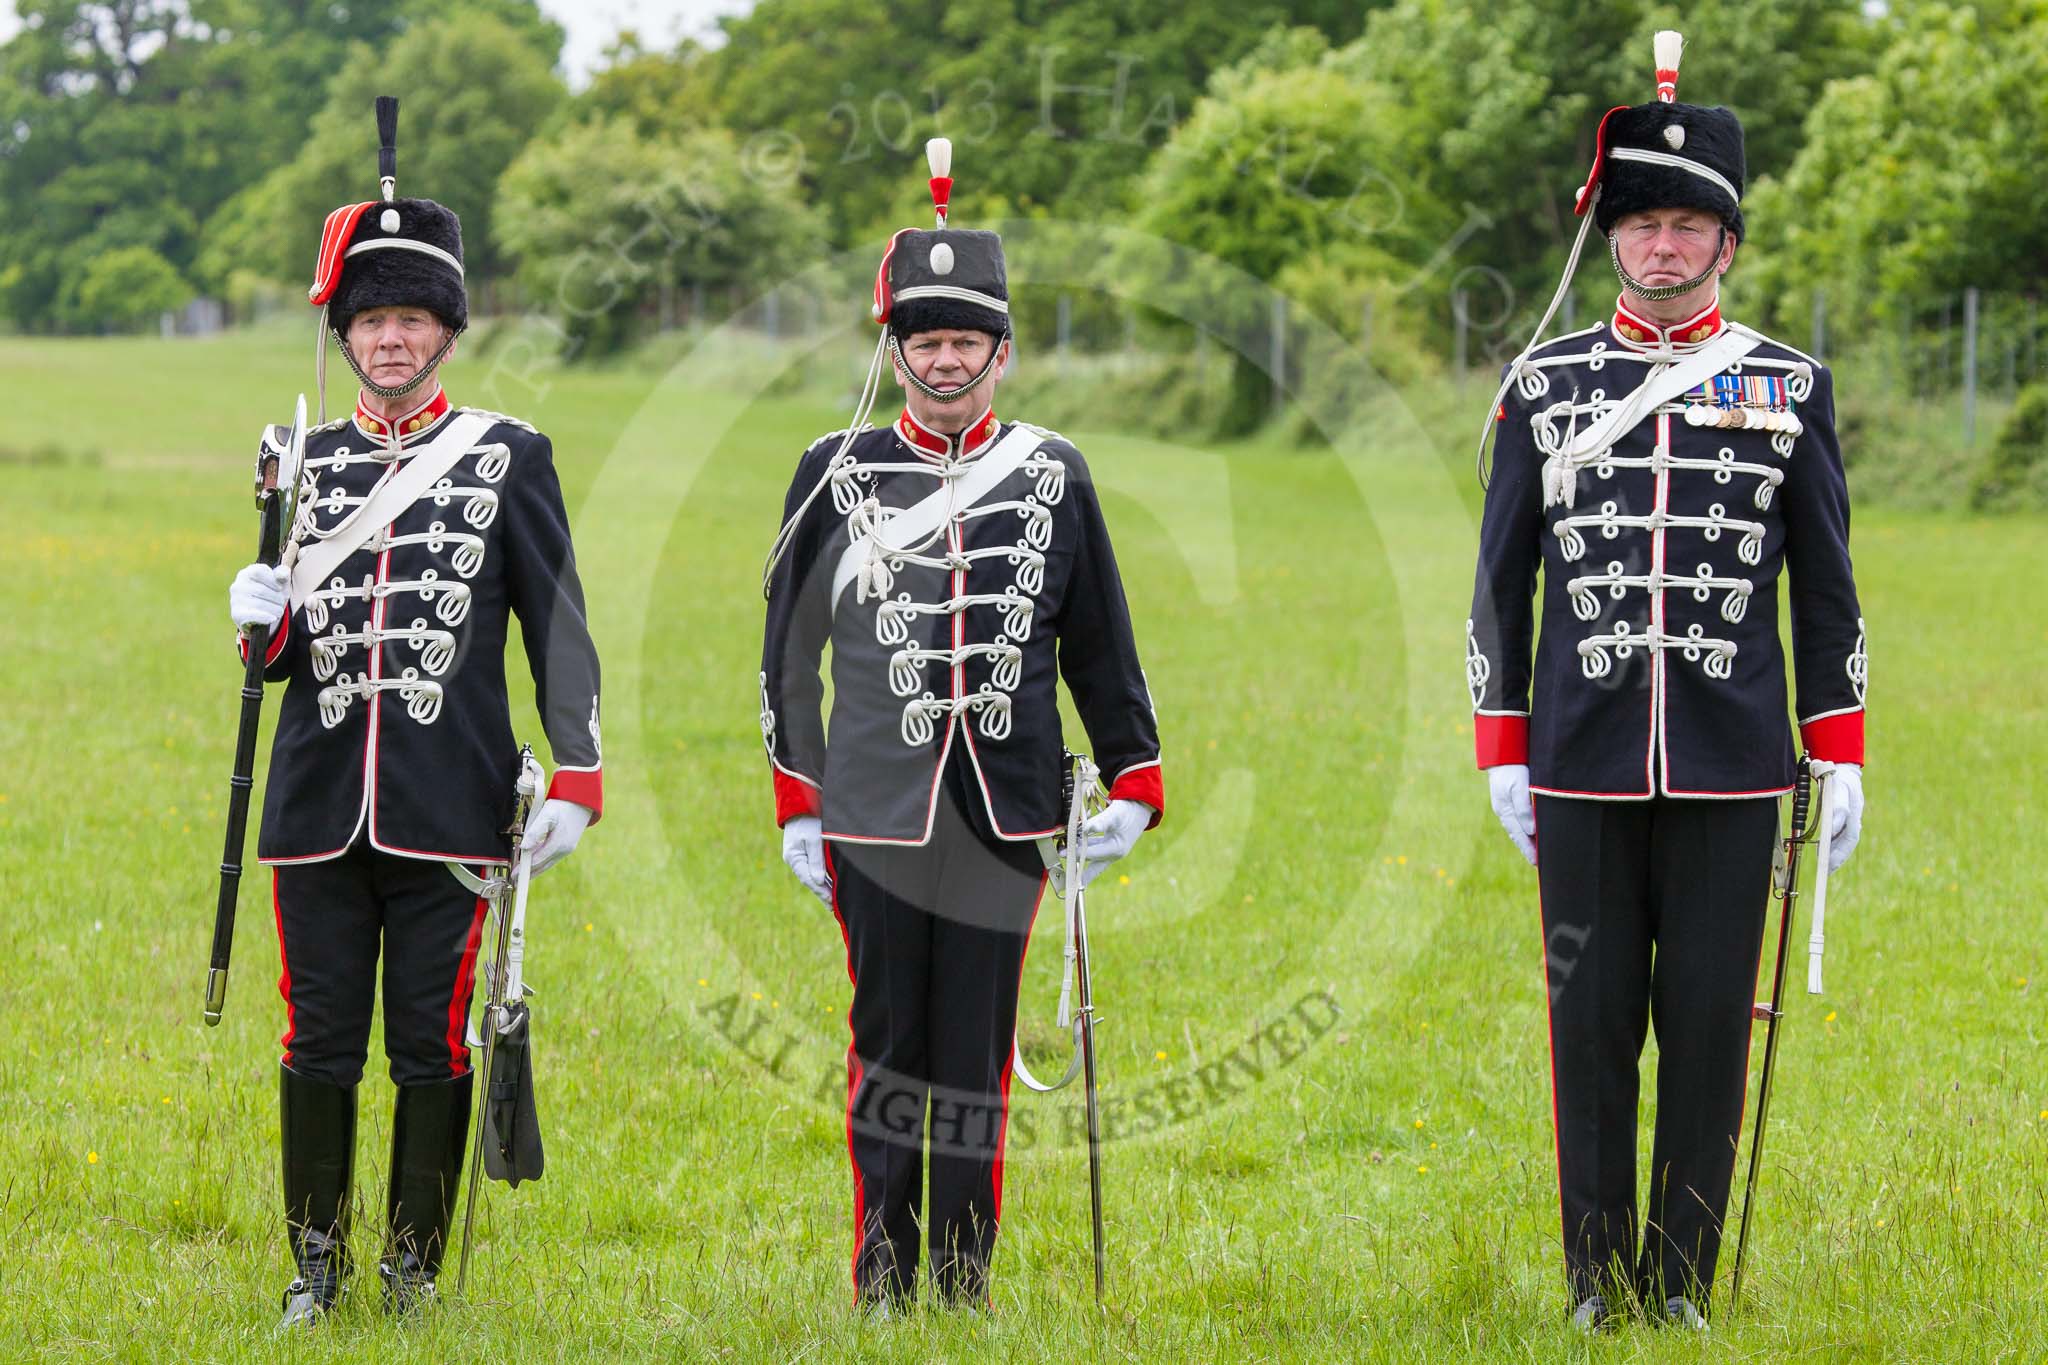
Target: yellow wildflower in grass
pixel 1418 1123
pixel 1159 1056
pixel 757 995
pixel 92 1158
pixel 1401 858
pixel 1830 1019
pixel 1422 1170
pixel 1123 879
pixel 702 982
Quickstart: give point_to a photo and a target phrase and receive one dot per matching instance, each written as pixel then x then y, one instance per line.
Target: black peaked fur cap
pixel 1712 137
pixel 977 265
pixel 398 276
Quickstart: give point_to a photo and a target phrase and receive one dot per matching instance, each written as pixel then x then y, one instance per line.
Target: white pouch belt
pixel 423 465
pixel 920 519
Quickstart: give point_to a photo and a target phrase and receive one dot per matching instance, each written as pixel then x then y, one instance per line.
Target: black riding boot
pixel 318 1131
pixel 429 1130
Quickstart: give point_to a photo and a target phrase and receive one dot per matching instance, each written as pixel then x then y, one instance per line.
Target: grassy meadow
pixel 1324 1054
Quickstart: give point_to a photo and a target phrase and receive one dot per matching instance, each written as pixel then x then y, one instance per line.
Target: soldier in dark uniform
pixel 958 565
pixel 1663 470
pixel 394 756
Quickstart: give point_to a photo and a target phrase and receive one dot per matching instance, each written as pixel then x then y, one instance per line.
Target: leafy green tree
pixel 601 220
pixel 1050 105
pixel 128 286
pixel 484 90
pixel 1918 179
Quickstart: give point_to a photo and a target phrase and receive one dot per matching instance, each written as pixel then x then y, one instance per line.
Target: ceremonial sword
pixel 279 455
pixel 504 1020
pixel 1082 787
pixel 1787 880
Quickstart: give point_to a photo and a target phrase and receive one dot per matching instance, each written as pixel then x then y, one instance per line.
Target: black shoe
pixel 429 1132
pixel 1682 1313
pixel 1592 1315
pixel 318 1130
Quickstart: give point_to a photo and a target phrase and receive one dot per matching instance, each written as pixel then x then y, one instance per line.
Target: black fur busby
pixel 930 272
pixel 1685 140
pixel 393 275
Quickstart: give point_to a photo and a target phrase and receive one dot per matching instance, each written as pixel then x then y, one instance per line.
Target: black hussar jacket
pixel 957 640
pixel 396 723
pixel 1658 669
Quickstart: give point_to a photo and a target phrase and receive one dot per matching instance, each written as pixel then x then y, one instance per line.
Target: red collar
pixel 410 425
pixel 937 445
pixel 1637 332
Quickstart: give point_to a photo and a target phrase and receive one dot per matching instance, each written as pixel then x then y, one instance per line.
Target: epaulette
pixel 862 430
pixel 1556 341
pixel 1748 330
pixel 1047 432
pixel 506 418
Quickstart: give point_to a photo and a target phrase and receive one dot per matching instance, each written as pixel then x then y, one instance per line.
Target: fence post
pixel 1571 312
pixel 1460 326
pixel 1970 366
pixel 1065 314
pixel 2033 325
pixel 1820 324
pixel 1278 366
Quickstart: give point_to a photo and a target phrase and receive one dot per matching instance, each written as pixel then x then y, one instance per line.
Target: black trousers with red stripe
pixel 1653 914
pixel 333 918
pixel 935 940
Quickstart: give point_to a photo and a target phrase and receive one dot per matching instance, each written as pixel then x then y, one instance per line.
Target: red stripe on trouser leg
pixel 284 972
pixel 854 1071
pixel 465 982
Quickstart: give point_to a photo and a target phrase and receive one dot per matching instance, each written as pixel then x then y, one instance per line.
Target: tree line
pixel 1372 161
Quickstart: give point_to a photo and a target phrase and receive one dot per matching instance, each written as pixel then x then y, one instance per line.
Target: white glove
pixel 257 596
pixel 1508 785
pixel 1845 799
pixel 552 832
pixel 803 848
pixel 1109 834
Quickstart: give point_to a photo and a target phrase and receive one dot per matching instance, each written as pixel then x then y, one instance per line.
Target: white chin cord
pixel 1571 267
pixel 870 390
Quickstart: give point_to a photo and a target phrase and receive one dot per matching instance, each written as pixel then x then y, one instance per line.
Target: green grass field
pixel 1373 1180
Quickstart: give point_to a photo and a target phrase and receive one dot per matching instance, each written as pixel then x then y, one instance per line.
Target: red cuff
pixel 1836 738
pixel 277 639
pixel 794 797
pixel 584 788
pixel 1500 739
pixel 1146 784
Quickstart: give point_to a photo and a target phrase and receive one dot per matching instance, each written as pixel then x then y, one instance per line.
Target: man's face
pixel 1670 246
pixel 947 360
pixel 394 344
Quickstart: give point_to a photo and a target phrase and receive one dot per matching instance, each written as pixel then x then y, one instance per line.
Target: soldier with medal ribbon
pixel 422 530
pixel 1663 470
pixel 959 567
